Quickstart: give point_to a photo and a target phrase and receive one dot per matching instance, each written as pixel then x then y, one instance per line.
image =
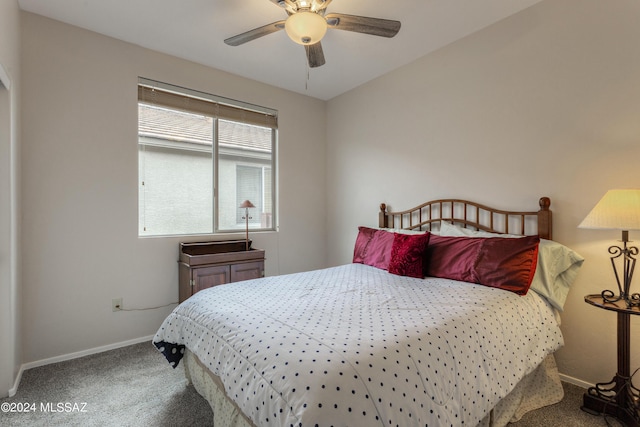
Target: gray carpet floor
pixel 135 386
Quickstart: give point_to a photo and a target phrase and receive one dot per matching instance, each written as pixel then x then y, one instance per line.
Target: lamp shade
pixel 618 209
pixel 246 204
pixel 305 27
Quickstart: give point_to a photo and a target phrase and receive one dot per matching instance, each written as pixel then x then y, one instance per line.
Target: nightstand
pixel 618 397
pixel 206 264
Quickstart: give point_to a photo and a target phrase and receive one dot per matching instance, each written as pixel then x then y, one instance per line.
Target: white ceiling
pixel 195 30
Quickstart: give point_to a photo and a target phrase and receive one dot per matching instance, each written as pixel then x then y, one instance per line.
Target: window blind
pixel 160 94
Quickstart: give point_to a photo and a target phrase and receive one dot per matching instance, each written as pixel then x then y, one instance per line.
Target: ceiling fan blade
pixel 363 24
pixel 315 55
pixel 255 33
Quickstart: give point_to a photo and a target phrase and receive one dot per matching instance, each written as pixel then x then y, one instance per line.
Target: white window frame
pixel 221 108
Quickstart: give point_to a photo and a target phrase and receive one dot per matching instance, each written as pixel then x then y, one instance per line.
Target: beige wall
pixel 81 245
pixel 10 335
pixel 545 103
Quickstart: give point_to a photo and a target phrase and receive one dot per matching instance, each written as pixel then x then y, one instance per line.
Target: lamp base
pixel 627 254
pixel 617 398
pixel 631 300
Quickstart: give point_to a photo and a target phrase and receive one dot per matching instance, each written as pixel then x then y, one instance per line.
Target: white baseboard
pixel 87 352
pixel 575 381
pixel 71 356
pixel 13 390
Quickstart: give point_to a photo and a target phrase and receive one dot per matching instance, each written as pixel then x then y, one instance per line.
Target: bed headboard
pixel 471 215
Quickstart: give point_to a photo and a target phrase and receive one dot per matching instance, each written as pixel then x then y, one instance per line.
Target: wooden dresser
pixel 206 264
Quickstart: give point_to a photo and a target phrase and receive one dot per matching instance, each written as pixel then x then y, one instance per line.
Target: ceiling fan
pixel 308 22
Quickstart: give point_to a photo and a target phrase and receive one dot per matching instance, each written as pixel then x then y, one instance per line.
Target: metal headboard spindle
pixel 387 219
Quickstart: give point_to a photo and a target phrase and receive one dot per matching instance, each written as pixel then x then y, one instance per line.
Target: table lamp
pixel 246 205
pixel 618 210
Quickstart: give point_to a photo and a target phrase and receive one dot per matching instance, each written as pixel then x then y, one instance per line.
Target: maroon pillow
pixel 407 253
pixel 497 262
pixel 452 257
pixel 373 247
pixel 362 241
pixel 508 263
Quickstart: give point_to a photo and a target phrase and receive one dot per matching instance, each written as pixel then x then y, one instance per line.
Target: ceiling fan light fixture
pixel 305 27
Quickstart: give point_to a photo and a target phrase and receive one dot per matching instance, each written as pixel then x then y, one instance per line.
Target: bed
pixel 459 340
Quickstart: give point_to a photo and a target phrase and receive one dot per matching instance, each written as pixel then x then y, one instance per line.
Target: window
pixel 199 158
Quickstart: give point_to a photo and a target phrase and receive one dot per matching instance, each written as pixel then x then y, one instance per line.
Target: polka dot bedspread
pixel 356 346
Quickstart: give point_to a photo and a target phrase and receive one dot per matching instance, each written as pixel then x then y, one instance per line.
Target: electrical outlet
pixel 116 304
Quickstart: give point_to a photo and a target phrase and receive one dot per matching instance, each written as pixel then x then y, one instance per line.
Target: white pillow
pixel 452 230
pixel 557 266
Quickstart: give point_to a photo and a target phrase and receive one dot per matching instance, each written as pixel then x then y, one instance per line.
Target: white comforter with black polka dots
pixel 356 346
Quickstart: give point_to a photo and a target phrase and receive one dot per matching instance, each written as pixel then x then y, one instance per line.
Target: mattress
pixel 354 345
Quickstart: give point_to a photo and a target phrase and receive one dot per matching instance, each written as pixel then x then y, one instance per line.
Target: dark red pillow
pixel 497 262
pixel 373 247
pixel 508 263
pixel 407 254
pixel 452 257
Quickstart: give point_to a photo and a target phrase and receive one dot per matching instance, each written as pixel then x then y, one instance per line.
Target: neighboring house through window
pixel 200 156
